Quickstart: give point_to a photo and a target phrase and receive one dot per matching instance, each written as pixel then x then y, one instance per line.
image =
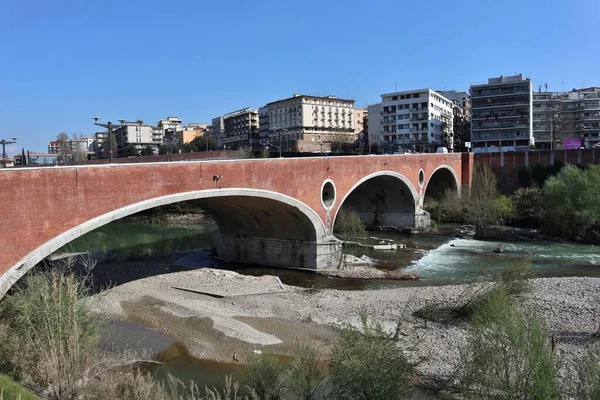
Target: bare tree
pixel 481 210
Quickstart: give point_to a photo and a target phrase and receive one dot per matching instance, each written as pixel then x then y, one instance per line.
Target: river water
pixel 436 259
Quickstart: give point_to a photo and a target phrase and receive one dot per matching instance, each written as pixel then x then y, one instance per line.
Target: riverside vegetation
pixel 50 343
pixel 563 202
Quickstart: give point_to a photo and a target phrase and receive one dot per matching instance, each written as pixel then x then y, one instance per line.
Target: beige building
pixel 360 116
pixel 310 118
pixel 191 132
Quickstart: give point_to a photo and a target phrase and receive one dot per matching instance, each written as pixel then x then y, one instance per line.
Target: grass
pixel 11 390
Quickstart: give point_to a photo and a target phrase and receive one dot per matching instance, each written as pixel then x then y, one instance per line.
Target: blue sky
pixel 65 61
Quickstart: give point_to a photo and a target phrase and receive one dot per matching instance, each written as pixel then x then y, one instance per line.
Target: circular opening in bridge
pixel 421 178
pixel 328 194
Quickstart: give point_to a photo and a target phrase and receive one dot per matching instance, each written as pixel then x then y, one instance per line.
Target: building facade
pixel 566 115
pixel 137 135
pixel 191 132
pixel 415 120
pixel 501 115
pixel 311 118
pixel 374 127
pixel 241 129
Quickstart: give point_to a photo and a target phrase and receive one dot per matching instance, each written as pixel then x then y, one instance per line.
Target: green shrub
pixel 348 225
pixel 306 379
pixel 508 354
pixel 527 202
pixel 366 364
pixel 586 382
pixel 571 204
pixel 503 208
pixel 266 375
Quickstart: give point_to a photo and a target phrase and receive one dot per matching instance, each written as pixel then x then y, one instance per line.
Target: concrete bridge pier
pixel 278 252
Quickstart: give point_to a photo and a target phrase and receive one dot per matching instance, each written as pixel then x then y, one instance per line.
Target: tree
pixel 571 204
pixel 480 203
pixel 64 148
pixel 366 364
pixel 147 151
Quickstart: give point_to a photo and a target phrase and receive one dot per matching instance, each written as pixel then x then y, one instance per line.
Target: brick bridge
pixel 276 212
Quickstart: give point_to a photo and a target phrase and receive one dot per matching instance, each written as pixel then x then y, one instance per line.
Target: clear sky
pixel 62 62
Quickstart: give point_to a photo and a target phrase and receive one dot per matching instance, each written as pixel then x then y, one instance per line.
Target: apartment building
pixel 311 118
pixel 240 128
pixel 566 115
pixel 171 124
pixel 415 120
pixel 501 115
pixel 461 121
pixel 191 131
pixel 374 127
pixel 136 134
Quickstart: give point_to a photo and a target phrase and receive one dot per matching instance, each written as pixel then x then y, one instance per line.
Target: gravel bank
pixel 263 313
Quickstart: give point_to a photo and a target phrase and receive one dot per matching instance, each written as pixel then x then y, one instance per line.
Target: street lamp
pixel 321 143
pixel 109 126
pixel 281 130
pixel 4 143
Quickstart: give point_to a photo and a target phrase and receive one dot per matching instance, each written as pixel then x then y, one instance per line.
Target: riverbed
pixel 157 266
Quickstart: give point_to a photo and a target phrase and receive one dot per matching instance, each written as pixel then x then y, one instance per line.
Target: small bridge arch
pixel 383 198
pixel 442 179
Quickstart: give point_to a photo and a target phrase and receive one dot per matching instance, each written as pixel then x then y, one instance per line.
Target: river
pixel 437 259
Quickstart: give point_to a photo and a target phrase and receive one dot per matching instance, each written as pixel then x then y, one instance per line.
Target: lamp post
pixel 321 143
pixel 4 143
pixel 109 127
pixel 281 130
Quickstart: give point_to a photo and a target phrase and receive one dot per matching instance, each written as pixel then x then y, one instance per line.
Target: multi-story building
pixel 361 118
pixel 416 120
pixel 563 115
pixel 311 118
pixel 69 150
pixel 136 134
pixel 240 128
pixel 191 131
pixel 461 121
pixel 501 114
pixel 171 124
pixel 374 127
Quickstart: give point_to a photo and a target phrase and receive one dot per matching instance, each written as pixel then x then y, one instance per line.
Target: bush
pixel 527 202
pixel 306 379
pixel 586 382
pixel 56 331
pixel 508 354
pixel 571 206
pixel 348 225
pixel 265 374
pixel 449 207
pixel 503 208
pixel 366 364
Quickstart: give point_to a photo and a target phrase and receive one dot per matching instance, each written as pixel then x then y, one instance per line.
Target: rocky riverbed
pixel 216 313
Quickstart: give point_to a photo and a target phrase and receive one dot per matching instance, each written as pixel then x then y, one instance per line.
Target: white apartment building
pixel 136 134
pixel 310 118
pixel 374 126
pixel 158 132
pixel 416 120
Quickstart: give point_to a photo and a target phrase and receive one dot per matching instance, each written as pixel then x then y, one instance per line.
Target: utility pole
pixel 109 126
pixel 4 143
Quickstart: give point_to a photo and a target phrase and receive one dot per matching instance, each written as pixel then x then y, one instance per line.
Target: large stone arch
pixel 383 198
pixel 443 178
pixel 241 214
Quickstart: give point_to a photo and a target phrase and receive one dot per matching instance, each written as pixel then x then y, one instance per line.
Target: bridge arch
pixel 239 213
pixel 383 198
pixel 443 178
